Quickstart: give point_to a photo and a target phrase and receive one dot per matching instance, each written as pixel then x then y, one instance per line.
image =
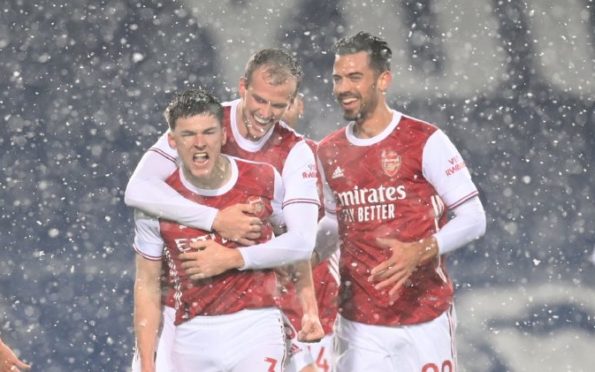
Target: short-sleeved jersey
pixel 393 185
pixel 234 290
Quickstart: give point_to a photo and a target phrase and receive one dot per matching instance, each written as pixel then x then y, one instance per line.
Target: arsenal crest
pixel 390 161
pixel 257 204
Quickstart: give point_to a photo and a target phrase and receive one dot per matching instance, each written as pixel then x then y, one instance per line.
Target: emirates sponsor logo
pixel 390 161
pixel 370 204
pixel 380 194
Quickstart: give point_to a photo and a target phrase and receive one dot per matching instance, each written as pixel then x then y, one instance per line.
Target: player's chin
pixel 258 131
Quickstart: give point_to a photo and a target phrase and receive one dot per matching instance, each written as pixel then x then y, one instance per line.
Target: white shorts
pixel 303 354
pixel 425 347
pixel 298 356
pixel 247 341
pixel 319 354
pixel 166 339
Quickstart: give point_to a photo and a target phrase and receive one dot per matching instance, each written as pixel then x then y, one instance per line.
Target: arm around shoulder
pixel 148 191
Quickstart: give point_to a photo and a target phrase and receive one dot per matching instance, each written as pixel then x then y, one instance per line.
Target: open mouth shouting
pixel 200 158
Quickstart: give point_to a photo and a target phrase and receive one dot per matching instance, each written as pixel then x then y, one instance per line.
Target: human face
pixel 357 87
pixel 263 103
pixel 198 140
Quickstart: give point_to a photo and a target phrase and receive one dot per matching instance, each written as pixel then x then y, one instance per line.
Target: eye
pixel 259 99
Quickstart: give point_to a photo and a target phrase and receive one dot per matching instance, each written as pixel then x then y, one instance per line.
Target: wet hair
pixel 192 102
pixel 378 50
pixel 278 63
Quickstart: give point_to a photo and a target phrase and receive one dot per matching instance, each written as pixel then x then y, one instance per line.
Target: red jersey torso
pixel 233 290
pixel 380 191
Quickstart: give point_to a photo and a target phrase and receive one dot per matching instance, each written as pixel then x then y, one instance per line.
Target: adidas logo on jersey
pixel 338 173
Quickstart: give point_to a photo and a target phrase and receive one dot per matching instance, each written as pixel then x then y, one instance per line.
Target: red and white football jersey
pixel 326 283
pixel 394 185
pixel 231 291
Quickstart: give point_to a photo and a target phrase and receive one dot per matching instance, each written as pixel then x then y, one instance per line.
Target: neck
pixel 241 122
pixel 374 124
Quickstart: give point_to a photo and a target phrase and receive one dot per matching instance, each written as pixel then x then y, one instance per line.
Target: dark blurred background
pixel 84 84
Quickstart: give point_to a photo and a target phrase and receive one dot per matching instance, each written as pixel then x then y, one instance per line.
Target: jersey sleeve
pixel 299 176
pixel 147 237
pixel 296 244
pixel 444 168
pixel 277 203
pixel 148 191
pixel 300 214
pixel 468 224
pixel 330 206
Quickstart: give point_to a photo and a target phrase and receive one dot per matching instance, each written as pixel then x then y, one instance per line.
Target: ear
pixel 242 86
pixel 299 102
pixel 170 139
pixel 223 135
pixel 384 81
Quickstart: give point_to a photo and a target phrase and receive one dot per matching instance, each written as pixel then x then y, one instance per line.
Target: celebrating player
pixel 254 132
pixel 312 356
pixel 216 315
pixel 390 180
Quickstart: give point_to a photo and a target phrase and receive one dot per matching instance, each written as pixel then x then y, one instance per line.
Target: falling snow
pixel 84 85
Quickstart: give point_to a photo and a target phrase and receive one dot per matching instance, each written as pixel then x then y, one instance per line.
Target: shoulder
pixel 285 134
pixel 332 142
pixel 412 124
pixel 252 166
pixel 313 145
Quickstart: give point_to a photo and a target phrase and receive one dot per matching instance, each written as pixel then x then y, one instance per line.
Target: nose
pixel 199 141
pixel 340 86
pixel 267 111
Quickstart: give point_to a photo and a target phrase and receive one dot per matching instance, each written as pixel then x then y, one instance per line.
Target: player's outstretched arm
pixel 147 310
pixel 9 361
pixel 148 191
pixel 311 330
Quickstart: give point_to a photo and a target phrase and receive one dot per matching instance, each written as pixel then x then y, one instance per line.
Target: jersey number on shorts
pixel 321 361
pixel 273 363
pixel 431 367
